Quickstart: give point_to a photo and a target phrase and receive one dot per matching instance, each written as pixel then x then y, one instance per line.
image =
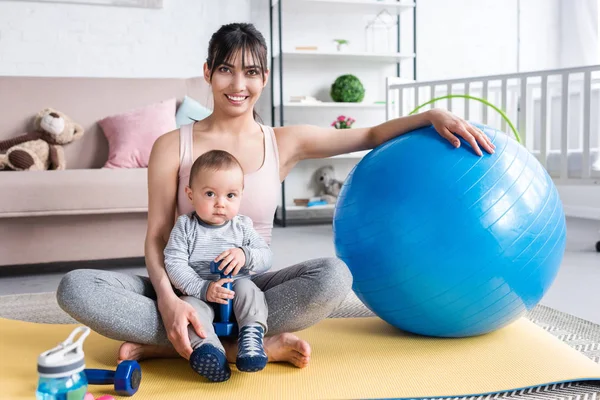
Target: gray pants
pixel 123 307
pixel 249 307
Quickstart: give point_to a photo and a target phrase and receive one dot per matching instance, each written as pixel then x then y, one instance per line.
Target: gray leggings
pixel 123 307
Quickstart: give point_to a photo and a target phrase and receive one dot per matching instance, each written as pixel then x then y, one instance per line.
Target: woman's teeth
pixel 236 98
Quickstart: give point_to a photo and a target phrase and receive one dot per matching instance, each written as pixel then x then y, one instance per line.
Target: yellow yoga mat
pixel 352 358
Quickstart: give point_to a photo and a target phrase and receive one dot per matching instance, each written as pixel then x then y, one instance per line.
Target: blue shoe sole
pixel 251 364
pixel 211 363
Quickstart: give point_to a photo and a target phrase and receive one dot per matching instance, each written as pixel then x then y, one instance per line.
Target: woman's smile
pixel 236 99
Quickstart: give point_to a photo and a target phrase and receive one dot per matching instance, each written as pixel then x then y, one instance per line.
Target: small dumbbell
pixel 126 379
pixel 224 326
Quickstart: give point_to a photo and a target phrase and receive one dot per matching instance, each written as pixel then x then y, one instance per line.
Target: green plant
pixel 341 41
pixel 347 89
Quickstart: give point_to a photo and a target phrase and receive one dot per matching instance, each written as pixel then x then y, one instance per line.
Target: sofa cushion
pixel 73 192
pixel 131 135
pixel 190 110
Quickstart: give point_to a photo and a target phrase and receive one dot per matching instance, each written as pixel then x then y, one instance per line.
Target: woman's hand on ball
pixel 449 126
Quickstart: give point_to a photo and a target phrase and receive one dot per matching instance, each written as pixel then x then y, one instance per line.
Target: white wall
pixel 540 37
pixel 484 37
pixel 579 33
pixel 481 37
pixel 46 39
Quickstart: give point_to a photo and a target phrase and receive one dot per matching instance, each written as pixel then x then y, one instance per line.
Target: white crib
pixel 556 113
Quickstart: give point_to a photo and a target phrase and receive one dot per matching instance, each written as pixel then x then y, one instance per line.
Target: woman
pixel 146 313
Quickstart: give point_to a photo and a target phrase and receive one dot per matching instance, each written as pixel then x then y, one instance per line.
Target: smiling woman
pixel 224 48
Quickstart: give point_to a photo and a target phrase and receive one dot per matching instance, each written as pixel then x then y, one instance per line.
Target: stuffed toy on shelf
pixel 40 149
pixel 325 185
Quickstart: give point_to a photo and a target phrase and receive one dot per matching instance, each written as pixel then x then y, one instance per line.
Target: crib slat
pixel 544 122
pixel 564 115
pixel 467 102
pixel 587 131
pixel 523 111
pixel 432 94
pixel 503 102
pixel 484 112
pixel 388 100
pixel 449 91
pixel 399 103
pixel 416 94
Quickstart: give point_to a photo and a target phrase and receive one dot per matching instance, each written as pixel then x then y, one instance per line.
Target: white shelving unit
pixel 345 55
pixel 305 62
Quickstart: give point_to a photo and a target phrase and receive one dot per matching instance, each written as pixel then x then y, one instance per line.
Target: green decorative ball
pixel 347 89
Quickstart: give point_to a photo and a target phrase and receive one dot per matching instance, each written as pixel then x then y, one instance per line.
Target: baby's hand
pixel 233 260
pixel 216 293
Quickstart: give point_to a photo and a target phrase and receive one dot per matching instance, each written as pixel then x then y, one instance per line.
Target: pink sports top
pixel 261 187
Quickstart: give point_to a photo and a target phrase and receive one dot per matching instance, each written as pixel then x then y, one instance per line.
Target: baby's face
pixel 216 195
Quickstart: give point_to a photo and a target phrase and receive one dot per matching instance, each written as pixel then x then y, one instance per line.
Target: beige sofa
pixel 85 212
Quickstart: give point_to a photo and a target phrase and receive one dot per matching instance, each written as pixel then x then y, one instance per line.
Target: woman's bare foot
pixel 138 352
pixel 287 348
pixel 279 348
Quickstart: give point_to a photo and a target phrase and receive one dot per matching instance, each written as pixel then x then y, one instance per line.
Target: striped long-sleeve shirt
pixel 193 244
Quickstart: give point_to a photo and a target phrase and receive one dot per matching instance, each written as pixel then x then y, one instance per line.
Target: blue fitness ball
pixel 441 242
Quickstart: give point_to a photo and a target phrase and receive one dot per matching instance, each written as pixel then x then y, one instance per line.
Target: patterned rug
pixel 583 336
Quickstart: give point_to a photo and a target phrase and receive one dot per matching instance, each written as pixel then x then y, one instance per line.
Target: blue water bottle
pixel 61 370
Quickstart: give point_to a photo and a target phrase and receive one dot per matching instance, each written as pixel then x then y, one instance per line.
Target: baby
pixel 214 232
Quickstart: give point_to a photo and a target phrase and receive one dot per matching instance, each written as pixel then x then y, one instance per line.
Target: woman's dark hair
pixel 229 40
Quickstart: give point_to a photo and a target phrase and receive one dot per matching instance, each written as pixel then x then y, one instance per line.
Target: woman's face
pixel 236 89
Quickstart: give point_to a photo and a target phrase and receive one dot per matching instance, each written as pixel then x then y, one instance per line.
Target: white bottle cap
pixel 66 358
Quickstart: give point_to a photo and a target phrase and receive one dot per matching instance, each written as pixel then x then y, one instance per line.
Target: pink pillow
pixel 132 134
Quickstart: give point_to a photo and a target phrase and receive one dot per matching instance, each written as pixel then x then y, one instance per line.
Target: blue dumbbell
pixel 224 326
pixel 126 379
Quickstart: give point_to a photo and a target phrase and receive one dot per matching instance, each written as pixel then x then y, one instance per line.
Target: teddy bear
pixel 42 148
pixel 327 187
